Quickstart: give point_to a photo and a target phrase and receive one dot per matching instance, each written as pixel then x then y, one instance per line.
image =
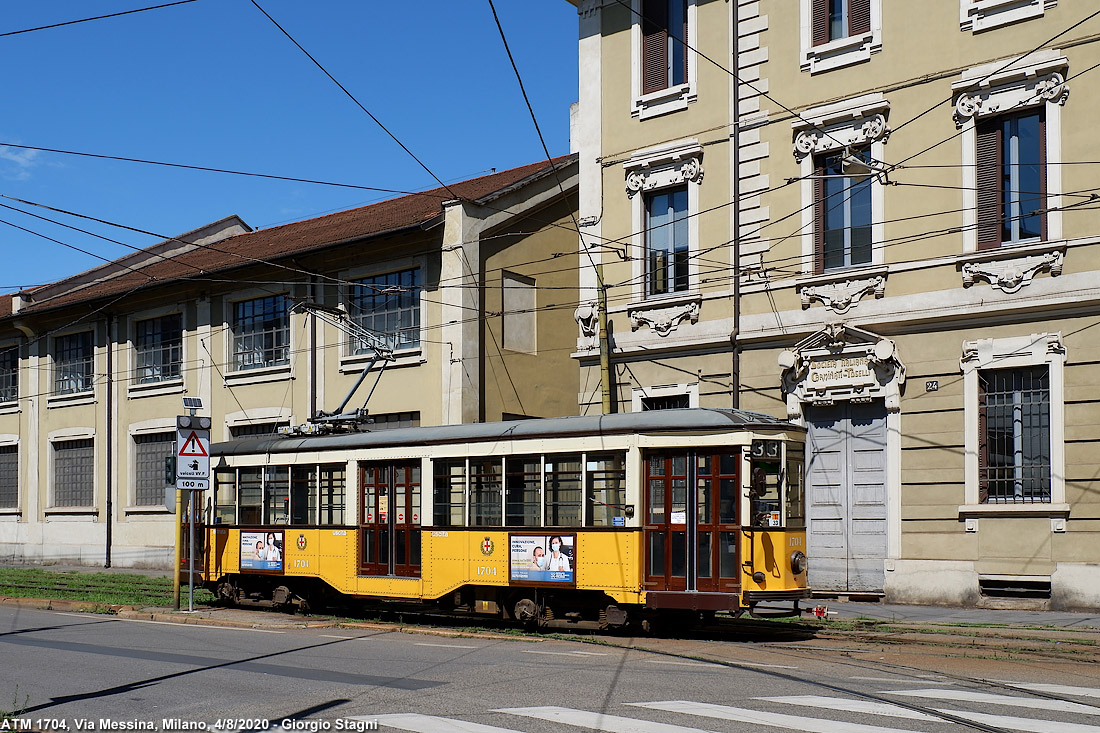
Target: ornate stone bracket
pixel 645 177
pixel 1010 276
pixel 587 317
pixel 1049 88
pixel 840 296
pixel 664 320
pixel 817 140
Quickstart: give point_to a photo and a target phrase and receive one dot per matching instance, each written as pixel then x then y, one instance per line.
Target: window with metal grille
pixel 256 428
pixel 836 19
pixel 9 373
pixel 666 240
pixel 74 473
pixel 1011 178
pixel 393 420
pixel 387 304
pixel 150 452
pixel 842 211
pixel 73 363
pixel 9 476
pixel 261 333
pixel 1014 435
pixel 666 402
pixel 664 38
pixel 158 349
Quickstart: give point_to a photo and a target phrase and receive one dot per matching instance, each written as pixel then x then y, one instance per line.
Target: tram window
pixel 485 492
pixel 449 494
pixel 606 481
pixel 563 491
pixel 225 497
pixel 522 505
pixel 250 495
pixel 657 492
pixel 764 493
pixel 727 555
pixel 796 490
pixel 303 498
pixel 332 488
pixel 276 494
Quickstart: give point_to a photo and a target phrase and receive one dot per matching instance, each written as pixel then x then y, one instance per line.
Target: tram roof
pixel 684 420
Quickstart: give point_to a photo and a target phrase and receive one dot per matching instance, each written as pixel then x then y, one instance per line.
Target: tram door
pixel 691 533
pixel 389 519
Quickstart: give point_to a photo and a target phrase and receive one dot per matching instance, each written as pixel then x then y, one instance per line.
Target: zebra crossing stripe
pixel 1030 725
pixel 867 707
pixel 429 724
pixel 597 721
pixel 992 699
pixel 1056 689
pixel 775 720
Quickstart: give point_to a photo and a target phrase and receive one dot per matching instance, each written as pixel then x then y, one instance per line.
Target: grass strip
pixel 105 588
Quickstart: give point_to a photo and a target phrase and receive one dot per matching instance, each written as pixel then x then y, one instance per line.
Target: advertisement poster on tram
pixel 262 550
pixel 543 558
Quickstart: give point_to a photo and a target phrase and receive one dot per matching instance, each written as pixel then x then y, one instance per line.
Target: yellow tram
pixel 599 520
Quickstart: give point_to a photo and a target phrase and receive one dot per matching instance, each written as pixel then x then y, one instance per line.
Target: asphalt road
pixel 102 671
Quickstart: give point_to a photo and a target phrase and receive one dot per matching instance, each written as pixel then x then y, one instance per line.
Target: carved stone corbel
pixel 1009 276
pixel 587 317
pixel 840 296
pixel 664 320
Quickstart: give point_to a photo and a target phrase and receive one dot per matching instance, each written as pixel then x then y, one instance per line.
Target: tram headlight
pixel 798 562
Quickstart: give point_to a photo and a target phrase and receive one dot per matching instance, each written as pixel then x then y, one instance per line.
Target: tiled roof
pixel 298 237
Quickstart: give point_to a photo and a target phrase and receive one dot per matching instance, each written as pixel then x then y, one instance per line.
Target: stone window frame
pixel 1000 88
pixel 841 52
pixel 664 390
pixel 672 99
pixel 1037 349
pixel 654 169
pixel 982 15
pixel 858 121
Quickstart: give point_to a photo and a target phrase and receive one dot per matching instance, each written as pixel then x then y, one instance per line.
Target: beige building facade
pixel 877 219
pixel 454 280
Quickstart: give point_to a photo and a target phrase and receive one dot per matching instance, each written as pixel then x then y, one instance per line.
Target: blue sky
pixel 214 83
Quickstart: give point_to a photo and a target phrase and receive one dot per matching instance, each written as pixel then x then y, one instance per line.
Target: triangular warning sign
pixel 193 446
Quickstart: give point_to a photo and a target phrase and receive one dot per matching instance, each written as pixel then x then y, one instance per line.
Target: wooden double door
pixel 692 522
pixel 389 518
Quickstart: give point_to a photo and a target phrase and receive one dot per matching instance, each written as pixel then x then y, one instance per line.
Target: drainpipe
pixel 735 365
pixel 112 328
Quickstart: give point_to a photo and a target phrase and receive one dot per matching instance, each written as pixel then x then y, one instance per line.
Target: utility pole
pixel 605 351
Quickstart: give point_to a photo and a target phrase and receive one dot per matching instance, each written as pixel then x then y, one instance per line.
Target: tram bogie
pixel 594 522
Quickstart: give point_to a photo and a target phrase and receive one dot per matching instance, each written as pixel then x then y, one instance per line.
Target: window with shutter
pixel 842 227
pixel 832 20
pixel 1010 178
pixel 838 33
pixel 664 50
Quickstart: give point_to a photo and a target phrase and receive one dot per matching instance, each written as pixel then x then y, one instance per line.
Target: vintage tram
pixel 599 520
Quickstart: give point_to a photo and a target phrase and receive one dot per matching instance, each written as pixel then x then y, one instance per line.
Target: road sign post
pixel 192 476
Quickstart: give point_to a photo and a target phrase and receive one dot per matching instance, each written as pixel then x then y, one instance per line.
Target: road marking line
pixel 757 717
pixel 992 699
pixel 175 623
pixel 334 636
pixel 1031 725
pixel 596 721
pixel 684 664
pixel 852 706
pixel 896 681
pixel 1059 689
pixel 564 654
pixel 447 646
pixel 429 723
pixel 765 666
